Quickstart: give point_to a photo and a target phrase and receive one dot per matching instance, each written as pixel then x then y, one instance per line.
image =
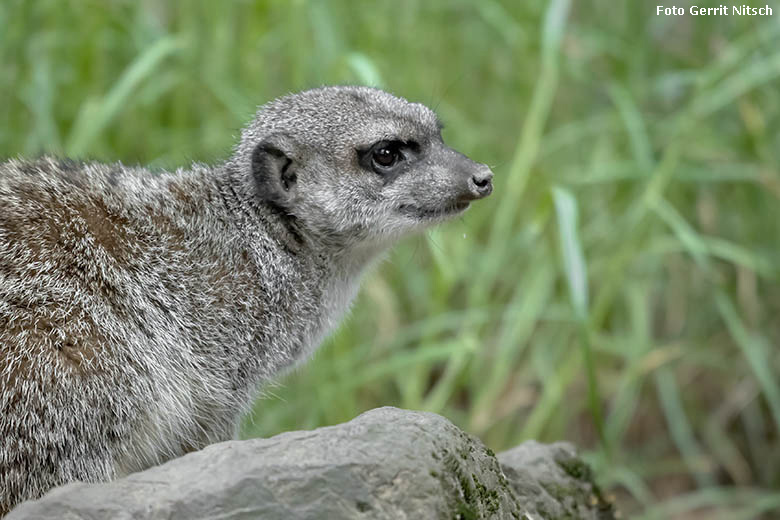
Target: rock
pixel 385 464
pixel 552 482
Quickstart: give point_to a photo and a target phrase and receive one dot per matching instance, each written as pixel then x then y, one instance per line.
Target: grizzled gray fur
pixel 140 312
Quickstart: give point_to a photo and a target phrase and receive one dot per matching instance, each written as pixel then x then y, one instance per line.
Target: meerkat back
pixel 62 409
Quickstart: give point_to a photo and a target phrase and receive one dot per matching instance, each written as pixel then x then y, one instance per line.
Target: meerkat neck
pixel 244 207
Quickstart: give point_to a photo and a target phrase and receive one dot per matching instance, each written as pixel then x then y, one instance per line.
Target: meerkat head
pixel 357 166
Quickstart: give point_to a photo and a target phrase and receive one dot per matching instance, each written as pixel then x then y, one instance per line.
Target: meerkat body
pixel 140 312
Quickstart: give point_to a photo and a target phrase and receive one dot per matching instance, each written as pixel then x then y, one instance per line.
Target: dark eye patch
pixel 386 156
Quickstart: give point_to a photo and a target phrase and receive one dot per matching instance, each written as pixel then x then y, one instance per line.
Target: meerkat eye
pixel 382 157
pixel 386 154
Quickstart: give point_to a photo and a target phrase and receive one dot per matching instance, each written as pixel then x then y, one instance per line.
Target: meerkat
pixel 140 312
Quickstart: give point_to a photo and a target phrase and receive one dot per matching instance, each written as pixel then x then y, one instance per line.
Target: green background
pixel 619 289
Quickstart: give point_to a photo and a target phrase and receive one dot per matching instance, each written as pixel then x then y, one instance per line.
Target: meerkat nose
pixel 480 183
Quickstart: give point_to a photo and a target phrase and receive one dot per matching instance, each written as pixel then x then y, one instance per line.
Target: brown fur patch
pixel 180 194
pixel 108 228
pixel 40 330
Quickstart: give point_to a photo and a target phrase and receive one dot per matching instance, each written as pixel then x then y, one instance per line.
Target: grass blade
pixel 96 115
pixel 680 427
pixel 571 250
pixel 533 127
pixel 577 281
pixel 755 350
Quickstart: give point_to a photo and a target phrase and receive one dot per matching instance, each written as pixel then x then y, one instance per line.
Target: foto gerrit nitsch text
pixel 721 10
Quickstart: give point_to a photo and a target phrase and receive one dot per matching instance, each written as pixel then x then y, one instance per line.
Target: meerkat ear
pixel 274 170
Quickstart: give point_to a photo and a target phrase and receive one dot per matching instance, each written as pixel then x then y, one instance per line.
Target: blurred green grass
pixel 620 288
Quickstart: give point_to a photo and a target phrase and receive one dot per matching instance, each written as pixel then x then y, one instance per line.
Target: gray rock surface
pixel 552 482
pixel 385 464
